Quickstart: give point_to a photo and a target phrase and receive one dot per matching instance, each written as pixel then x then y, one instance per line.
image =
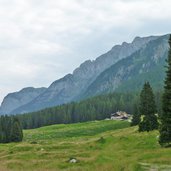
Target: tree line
pixel 96 108
pixel 10 129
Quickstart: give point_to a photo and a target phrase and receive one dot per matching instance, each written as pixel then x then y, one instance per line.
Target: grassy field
pixel 98 145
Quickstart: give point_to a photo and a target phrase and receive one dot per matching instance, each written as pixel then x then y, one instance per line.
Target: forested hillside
pixel 96 108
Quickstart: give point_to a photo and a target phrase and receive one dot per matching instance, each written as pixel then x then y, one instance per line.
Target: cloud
pixel 41 41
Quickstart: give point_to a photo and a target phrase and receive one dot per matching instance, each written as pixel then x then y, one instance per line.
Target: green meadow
pixel 98 145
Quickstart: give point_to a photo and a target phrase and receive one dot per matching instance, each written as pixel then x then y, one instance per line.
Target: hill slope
pixel 51 148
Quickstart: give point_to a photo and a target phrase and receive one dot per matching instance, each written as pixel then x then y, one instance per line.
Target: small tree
pixel 148 109
pixel 136 118
pixel 16 131
pixel 165 127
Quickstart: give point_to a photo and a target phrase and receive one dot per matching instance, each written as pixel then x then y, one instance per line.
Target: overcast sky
pixel 42 40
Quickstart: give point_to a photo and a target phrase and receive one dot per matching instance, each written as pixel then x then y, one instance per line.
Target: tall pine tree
pixel 165 127
pixel 148 109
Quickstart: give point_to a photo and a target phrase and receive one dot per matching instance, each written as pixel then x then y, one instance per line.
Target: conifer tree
pixel 148 109
pixel 10 129
pixel 165 127
pixel 16 131
pixel 136 118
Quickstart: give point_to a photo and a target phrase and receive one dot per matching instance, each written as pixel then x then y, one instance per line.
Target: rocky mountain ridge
pixel 129 74
pixel 72 86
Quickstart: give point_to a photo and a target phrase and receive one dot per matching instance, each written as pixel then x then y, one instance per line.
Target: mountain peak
pixel 137 38
pixel 125 44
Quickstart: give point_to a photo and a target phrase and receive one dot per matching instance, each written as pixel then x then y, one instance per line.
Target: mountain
pixel 114 71
pixel 70 87
pixel 129 74
pixel 17 99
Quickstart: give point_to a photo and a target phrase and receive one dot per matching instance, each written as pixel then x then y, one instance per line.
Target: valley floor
pixel 99 145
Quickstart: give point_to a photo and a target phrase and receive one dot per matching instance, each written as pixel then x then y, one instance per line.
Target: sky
pixel 43 40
